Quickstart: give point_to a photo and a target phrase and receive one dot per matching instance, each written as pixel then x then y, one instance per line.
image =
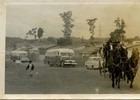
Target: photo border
pixel 3 5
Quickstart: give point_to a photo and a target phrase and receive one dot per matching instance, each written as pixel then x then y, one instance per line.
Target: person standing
pixel 30 67
pixel 17 62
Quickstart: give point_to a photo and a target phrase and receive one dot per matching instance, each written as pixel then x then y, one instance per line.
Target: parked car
pixel 94 63
pixel 18 55
pixel 24 60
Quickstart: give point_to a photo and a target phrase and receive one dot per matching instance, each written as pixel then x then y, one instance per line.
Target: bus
pixel 19 55
pixel 60 57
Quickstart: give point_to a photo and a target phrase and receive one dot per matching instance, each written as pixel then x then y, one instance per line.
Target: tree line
pixel 116 35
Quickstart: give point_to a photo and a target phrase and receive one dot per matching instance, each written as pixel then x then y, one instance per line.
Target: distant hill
pixel 14 42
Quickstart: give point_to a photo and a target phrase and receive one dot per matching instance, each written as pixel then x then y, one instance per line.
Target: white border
pixel 73 96
pixel 3 5
pixel 72 3
pixel 2 47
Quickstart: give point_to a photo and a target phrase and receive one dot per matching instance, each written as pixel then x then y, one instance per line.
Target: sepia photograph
pixel 72 48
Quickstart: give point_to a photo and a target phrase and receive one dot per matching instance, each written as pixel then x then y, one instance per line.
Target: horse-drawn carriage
pixel 117 63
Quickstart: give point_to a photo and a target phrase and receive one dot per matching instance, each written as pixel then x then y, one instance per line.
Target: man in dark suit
pixel 30 66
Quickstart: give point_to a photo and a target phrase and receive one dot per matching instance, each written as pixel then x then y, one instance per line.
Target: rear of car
pixel 24 60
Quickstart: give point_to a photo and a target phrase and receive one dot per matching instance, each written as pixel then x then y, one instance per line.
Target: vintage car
pixel 94 63
pixel 25 60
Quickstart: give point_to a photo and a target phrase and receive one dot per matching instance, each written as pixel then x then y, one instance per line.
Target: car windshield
pixel 67 54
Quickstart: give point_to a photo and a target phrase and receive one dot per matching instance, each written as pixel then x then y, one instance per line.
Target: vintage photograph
pixel 72 48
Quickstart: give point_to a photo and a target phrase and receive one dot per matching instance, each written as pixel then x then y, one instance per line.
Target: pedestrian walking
pixel 30 67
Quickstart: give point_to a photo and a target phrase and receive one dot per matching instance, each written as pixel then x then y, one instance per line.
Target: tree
pixel 40 33
pixel 66 16
pixel 51 39
pixel 136 38
pixel 64 41
pixel 117 21
pixel 91 23
pixel 31 32
pixel 118 34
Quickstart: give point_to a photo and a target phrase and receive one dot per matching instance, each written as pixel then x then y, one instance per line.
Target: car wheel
pixel 87 67
pixel 93 67
pixel 51 65
pixel 62 64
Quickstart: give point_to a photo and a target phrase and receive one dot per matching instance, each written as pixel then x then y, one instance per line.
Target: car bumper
pixel 24 60
pixel 70 63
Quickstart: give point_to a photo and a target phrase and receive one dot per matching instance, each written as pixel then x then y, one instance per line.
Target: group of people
pixel 114 54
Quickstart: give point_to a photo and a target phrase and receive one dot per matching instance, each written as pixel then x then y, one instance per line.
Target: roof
pixel 34 49
pixel 128 46
pixel 23 48
pixel 16 51
pixel 89 50
pixel 94 57
pixel 61 50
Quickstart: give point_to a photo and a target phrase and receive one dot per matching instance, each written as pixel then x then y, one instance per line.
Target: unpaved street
pixel 57 80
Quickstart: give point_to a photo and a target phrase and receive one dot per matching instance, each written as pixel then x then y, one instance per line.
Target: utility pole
pixel 100 30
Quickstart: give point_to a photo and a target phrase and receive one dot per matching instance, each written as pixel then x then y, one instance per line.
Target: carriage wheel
pixel 104 68
pixel 51 65
pixel 93 67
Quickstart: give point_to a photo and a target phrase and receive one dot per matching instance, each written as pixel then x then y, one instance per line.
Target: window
pixel 67 54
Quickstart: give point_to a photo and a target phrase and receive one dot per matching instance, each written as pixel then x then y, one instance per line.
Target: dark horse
pixel 116 68
pixel 130 67
pixel 112 54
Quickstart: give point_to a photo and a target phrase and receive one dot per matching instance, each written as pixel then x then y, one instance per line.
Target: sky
pixel 22 18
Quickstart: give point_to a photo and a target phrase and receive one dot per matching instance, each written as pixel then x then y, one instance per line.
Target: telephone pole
pixel 100 30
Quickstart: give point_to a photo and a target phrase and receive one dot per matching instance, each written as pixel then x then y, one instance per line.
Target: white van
pixel 19 55
pixel 60 57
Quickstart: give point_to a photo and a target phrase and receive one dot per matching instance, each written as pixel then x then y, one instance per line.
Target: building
pixel 136 42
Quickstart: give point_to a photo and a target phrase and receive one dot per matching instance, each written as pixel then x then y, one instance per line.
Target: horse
pixel 115 55
pixel 116 68
pixel 114 64
pixel 131 66
pixel 124 58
